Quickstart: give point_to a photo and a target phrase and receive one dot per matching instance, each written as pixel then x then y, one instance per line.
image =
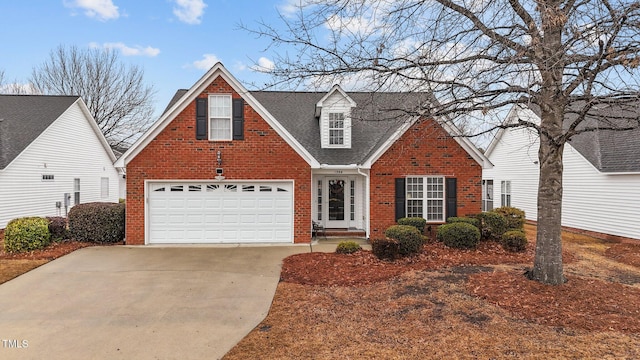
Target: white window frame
pixel 104 187
pixel 426 198
pixel 220 112
pixel 337 133
pixel 487 194
pixel 505 192
pixel 76 191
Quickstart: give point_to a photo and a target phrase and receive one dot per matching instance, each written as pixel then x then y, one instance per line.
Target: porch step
pixel 342 233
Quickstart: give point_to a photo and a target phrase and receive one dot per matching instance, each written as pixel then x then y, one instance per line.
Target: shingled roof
pixel 23 118
pixel 373 121
pixel 609 151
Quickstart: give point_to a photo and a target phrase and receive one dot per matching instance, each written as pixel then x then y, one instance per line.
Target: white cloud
pixel 207 62
pixel 189 11
pixel 264 64
pixel 102 10
pixel 127 50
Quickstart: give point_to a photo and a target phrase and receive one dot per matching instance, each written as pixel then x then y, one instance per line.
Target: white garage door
pixel 220 212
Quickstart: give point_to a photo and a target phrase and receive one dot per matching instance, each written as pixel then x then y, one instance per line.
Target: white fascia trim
pixel 216 70
pixel 467 145
pixel 335 88
pixel 387 144
pixel 96 129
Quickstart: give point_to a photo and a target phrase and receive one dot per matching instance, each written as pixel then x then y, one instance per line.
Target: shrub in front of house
pixel 417 222
pixel 469 220
pixel 514 240
pixel 58 228
pixel 26 234
pixel 347 247
pixel 459 235
pixel 97 222
pixel 513 216
pixel 410 239
pixel 492 225
pixel 385 249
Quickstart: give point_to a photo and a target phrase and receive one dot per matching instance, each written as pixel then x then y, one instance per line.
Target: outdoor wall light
pixel 219 158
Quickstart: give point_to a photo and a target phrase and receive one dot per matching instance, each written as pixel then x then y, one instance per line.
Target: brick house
pixel 224 164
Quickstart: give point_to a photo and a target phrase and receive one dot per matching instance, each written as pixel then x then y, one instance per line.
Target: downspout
pixel 367 195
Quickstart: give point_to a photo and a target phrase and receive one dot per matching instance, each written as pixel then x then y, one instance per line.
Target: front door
pixel 338 203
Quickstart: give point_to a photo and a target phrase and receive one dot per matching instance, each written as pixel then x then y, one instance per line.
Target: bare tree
pixel 115 94
pixel 565 57
pixel 15 87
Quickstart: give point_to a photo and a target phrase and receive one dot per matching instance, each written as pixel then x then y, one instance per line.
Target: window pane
pixel 220 129
pixel 220 117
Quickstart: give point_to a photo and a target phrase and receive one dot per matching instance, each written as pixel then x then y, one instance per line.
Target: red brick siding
pixel 176 154
pixel 425 149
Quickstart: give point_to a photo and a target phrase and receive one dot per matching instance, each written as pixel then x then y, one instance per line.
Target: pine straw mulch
pixel 451 304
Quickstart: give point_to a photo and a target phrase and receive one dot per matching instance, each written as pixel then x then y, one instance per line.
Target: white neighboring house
pixel 601 177
pixel 50 146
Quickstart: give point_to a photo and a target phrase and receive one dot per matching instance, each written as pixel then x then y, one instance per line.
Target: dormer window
pixel 334 115
pixel 336 128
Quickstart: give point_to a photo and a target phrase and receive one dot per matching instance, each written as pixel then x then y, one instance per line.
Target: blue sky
pixel 174 41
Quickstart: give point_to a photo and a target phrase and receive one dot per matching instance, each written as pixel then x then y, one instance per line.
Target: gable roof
pixel 376 122
pixel 23 118
pixel 607 150
pixel 183 98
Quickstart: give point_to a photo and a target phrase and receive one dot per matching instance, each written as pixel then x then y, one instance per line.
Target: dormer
pixel 333 112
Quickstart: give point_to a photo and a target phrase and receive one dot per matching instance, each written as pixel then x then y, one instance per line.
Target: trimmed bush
pixel 348 247
pixel 385 249
pixel 58 228
pixel 97 222
pixel 514 240
pixel 417 222
pixel 492 225
pixel 469 220
pixel 408 236
pixel 459 235
pixel 26 234
pixel 515 217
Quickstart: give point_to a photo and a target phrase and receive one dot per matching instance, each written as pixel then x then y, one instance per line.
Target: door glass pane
pixel 336 199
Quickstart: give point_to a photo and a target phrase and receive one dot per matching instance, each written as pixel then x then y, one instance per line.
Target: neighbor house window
pixel 220 117
pixel 47 177
pixel 425 198
pixel 505 192
pixel 104 188
pixel 76 191
pixel 352 199
pixel 336 128
pixel 487 195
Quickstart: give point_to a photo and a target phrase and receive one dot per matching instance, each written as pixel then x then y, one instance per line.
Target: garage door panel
pixel 220 212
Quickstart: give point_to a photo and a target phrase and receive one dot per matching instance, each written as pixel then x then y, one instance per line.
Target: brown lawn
pixel 451 304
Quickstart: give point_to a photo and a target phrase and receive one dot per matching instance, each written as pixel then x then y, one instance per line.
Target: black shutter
pixel 452 197
pixel 400 198
pixel 238 119
pixel 201 118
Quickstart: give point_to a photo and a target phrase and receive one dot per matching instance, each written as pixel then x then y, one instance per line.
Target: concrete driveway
pixel 139 302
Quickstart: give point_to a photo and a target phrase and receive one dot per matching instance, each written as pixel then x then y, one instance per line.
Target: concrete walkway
pixel 140 302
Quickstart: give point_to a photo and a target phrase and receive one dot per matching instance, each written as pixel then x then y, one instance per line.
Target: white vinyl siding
pixel 104 188
pixel 220 117
pixel 67 149
pixel 591 201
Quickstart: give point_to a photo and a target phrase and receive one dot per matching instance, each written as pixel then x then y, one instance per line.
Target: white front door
pixel 338 202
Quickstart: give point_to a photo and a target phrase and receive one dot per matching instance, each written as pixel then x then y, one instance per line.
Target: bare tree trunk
pixel 547 265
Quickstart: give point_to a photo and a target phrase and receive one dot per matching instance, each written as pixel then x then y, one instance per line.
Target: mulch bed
pixel 626 253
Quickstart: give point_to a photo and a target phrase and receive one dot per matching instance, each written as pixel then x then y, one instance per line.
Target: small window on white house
pixel 319 200
pixel 352 198
pixel 336 128
pixel 220 117
pixel 487 195
pixel 505 192
pixel 47 177
pixel 76 191
pixel 104 188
